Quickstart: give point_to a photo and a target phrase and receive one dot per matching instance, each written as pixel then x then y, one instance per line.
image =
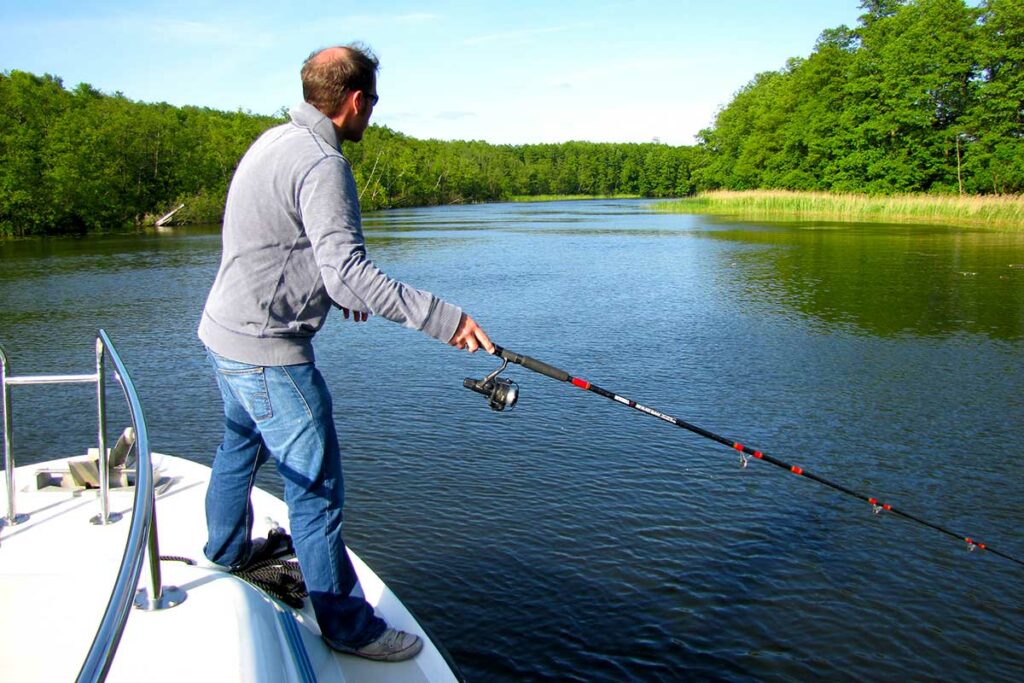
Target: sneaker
pixel 277 544
pixel 392 646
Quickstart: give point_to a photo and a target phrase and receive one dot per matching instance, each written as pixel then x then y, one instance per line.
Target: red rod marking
pixel 581 383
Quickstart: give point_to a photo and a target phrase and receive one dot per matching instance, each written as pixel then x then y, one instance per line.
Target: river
pixel 574 539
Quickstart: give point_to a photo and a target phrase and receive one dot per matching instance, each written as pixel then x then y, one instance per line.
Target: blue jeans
pixel 285 413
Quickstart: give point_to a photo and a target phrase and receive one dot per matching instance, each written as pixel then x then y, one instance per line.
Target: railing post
pixel 12 516
pixel 105 516
pixel 157 596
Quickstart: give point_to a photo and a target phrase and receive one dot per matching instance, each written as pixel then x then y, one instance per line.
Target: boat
pixel 93 589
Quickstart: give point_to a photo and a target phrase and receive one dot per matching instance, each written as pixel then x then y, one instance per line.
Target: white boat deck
pixel 57 570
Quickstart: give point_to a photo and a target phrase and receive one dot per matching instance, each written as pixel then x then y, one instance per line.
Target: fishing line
pixel 503 393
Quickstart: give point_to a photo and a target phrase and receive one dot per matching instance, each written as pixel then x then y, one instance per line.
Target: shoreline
pixel 992 212
pixel 1004 213
pixel 525 198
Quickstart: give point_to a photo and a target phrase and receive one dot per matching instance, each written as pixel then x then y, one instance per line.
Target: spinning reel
pixel 501 392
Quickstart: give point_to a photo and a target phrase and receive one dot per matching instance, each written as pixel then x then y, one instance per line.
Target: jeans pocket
pixel 249 384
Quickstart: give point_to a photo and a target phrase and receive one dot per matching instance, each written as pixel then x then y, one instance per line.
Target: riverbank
pixel 568 197
pixel 999 212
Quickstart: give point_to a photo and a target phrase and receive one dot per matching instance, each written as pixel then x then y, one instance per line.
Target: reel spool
pixel 501 392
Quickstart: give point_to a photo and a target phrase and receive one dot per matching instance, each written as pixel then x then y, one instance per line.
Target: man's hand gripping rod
pixel 501 392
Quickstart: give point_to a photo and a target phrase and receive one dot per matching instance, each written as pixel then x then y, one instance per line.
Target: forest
pixel 74 161
pixel 922 96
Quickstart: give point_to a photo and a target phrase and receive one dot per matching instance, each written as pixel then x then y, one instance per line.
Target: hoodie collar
pixel 306 115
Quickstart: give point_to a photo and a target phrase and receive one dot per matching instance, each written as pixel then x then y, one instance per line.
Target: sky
pixel 503 72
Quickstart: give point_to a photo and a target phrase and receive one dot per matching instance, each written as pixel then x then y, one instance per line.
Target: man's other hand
pixel 357 316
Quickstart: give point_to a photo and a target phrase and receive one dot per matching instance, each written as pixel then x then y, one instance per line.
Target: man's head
pixel 342 83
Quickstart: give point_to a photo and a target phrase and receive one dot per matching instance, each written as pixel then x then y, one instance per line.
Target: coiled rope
pixel 272 569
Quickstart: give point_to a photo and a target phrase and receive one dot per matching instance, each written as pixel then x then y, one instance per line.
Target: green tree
pixel 912 80
pixel 28 104
pixel 994 127
pixel 917 93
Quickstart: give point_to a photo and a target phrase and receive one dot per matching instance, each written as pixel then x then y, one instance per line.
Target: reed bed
pixel 992 211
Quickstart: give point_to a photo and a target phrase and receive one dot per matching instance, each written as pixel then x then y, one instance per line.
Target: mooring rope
pixel 279 577
pixel 273 570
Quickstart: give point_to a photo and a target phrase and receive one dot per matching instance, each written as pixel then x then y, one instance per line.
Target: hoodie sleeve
pixel 328 205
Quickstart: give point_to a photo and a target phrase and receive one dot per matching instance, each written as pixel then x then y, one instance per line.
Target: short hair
pixel 326 81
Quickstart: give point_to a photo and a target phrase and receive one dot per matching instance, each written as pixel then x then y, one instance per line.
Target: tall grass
pixel 995 211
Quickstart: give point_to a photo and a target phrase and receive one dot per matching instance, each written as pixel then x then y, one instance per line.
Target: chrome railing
pixel 104 516
pixel 142 534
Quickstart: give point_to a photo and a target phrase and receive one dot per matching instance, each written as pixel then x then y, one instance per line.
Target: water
pixel 574 539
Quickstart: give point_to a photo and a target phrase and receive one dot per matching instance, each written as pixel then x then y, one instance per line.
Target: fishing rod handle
pixel 532 364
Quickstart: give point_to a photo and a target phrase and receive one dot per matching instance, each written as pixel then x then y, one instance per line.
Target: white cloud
pixel 514 37
pixel 455 115
pixel 416 18
pixel 163 30
pixel 362 22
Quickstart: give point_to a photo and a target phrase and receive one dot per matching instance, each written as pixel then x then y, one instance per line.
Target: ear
pixel 348 109
pixel 348 102
pixel 360 101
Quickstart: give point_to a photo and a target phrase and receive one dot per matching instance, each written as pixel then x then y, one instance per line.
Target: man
pixel 293 247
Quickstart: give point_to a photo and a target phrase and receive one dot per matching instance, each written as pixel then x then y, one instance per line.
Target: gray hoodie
pixel 293 245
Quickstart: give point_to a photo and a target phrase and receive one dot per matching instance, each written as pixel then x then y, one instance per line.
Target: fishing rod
pixel 503 393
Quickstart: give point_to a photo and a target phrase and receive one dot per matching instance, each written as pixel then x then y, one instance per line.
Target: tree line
pixel 396 170
pixel 77 160
pixel 921 96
